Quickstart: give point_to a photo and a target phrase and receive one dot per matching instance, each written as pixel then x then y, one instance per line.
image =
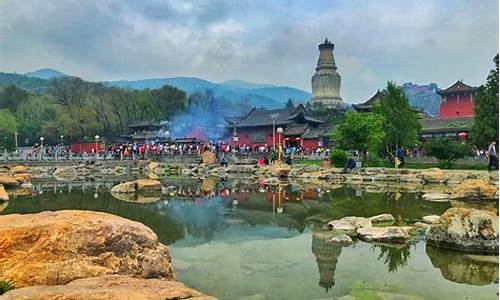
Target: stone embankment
pixel 49 253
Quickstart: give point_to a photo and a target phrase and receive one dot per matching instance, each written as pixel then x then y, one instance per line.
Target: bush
pixel 447 151
pixel 338 158
pixel 373 160
pixel 6 285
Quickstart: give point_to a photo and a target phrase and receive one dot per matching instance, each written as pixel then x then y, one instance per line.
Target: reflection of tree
pixel 394 256
pixel 326 257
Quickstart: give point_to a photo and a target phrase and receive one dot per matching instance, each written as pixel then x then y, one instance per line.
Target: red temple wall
pixel 451 108
pixel 245 138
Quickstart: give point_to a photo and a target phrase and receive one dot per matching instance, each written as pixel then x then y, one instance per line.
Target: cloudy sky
pixel 420 41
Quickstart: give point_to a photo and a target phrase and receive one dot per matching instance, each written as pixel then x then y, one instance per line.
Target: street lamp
pixel 274 117
pixel 41 146
pixel 62 137
pixel 280 150
pixel 96 140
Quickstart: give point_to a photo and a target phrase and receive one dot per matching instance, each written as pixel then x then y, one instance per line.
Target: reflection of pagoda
pixel 326 257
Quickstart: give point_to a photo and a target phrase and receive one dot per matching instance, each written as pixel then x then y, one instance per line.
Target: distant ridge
pixel 45 73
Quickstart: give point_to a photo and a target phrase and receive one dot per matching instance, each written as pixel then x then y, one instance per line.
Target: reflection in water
pixel 327 255
pixel 197 213
pixel 463 268
pixel 393 255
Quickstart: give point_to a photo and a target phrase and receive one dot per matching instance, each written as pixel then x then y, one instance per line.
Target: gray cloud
pixel 261 41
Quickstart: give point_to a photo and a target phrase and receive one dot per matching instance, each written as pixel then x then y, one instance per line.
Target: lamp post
pixel 15 139
pixel 41 147
pixel 61 142
pixel 279 131
pixel 96 145
pixel 274 117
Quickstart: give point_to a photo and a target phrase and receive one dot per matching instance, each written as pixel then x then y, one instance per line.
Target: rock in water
pixel 51 248
pixel 349 225
pixel 18 169
pixel 436 197
pixel 3 194
pixel 430 219
pixel 139 185
pixel 475 189
pixel 383 218
pixel 341 239
pixel 391 234
pixel 111 287
pixel 470 230
pixel 434 175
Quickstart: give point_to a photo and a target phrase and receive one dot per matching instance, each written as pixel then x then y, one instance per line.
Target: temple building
pixel 458 101
pixel 256 128
pixel 326 80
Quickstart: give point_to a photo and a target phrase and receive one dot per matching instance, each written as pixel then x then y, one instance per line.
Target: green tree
pixel 485 128
pixel 289 104
pixel 11 97
pixel 7 129
pixel 401 124
pixel 447 151
pixel 360 131
pixel 168 101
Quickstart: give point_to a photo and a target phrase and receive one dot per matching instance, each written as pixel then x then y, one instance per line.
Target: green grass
pixel 6 285
pixel 408 165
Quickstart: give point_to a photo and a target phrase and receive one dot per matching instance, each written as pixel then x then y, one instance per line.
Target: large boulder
pixel 392 234
pixel 3 194
pixel 53 248
pixel 436 197
pixel 112 287
pixel 8 180
pixel 349 225
pixel 18 169
pixel 139 185
pixel 470 230
pixel 433 175
pixel 475 189
pixel 65 173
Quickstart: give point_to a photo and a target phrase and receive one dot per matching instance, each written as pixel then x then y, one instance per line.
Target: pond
pixel 243 240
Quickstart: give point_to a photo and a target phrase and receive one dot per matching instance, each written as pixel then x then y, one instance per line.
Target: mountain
pixel 36 85
pixel 265 95
pixel 45 73
pixel 424 97
pixel 235 83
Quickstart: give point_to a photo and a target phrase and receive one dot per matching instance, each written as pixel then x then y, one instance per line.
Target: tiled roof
pixel 264 117
pixel 453 124
pixel 457 87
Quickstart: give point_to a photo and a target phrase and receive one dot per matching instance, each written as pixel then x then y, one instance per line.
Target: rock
pixel 475 189
pixel 464 229
pixel 462 268
pixel 279 170
pixel 139 185
pixel 430 219
pixel 8 181
pixel 208 157
pixel 341 239
pixel 433 175
pixel 3 194
pixel 383 218
pixel 22 177
pixel 393 234
pixel 421 225
pixel 18 169
pixel 112 287
pixel 123 188
pixel 147 185
pixel 51 248
pixel 436 197
pixel 349 225
pixel 65 173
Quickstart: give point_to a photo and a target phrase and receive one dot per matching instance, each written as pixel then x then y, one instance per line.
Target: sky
pixel 419 41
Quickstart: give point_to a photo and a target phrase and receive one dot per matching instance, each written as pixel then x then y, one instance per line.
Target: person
pixel 400 155
pixel 349 165
pixel 288 160
pixel 492 154
pixel 223 160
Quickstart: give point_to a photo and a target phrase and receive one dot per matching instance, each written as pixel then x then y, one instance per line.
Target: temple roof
pixel 457 87
pixel 448 125
pixel 368 104
pixel 145 124
pixel 264 117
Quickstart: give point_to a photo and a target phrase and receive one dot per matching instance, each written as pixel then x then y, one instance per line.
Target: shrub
pixel 447 151
pixel 6 285
pixel 338 158
pixel 373 160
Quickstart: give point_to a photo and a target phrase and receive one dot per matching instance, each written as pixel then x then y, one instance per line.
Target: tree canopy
pixel 401 124
pixel 360 131
pixel 485 128
pixel 447 151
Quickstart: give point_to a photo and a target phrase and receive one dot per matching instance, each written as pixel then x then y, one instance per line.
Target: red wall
pixel 244 135
pixel 84 147
pixel 451 108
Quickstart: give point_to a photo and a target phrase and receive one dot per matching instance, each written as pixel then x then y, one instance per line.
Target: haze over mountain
pixel 45 73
